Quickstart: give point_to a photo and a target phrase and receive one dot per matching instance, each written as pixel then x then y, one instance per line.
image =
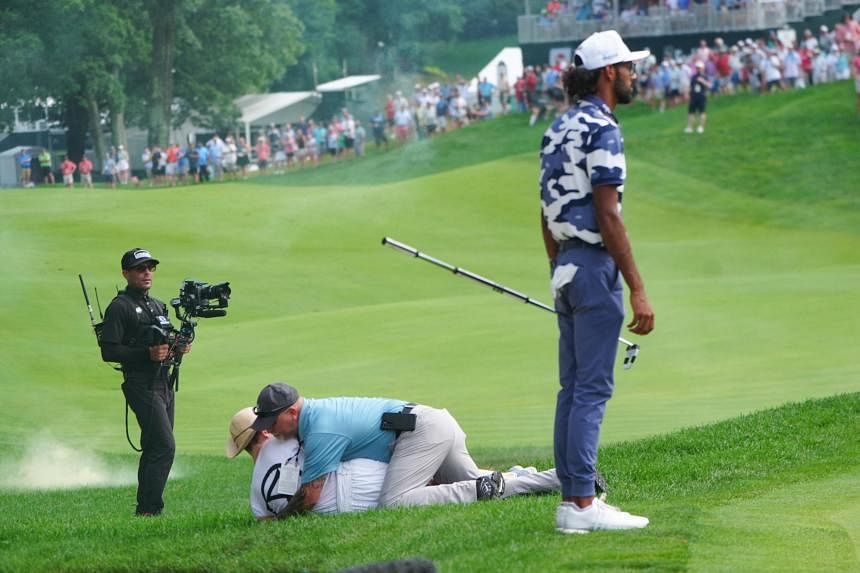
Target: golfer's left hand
pixel 643 314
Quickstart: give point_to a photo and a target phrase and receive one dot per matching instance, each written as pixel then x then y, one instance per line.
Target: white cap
pixel 700 64
pixel 606 48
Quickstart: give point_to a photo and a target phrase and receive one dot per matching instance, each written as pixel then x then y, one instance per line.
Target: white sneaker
pixel 599 515
pixel 688 130
pixel 700 129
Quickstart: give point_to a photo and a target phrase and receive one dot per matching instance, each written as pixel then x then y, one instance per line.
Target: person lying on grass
pixel 355 485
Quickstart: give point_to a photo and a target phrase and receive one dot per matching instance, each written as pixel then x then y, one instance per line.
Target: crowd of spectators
pixel 760 66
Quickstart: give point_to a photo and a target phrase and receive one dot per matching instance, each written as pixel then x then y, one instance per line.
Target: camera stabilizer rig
pixel 196 299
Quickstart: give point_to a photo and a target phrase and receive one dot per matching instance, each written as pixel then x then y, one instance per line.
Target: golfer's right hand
pixel 643 314
pixel 159 353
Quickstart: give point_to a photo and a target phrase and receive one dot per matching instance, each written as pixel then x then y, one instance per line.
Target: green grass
pixel 771 491
pixel 468 57
pixel 747 238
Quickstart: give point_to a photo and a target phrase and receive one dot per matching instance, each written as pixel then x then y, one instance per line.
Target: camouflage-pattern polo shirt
pixel 581 150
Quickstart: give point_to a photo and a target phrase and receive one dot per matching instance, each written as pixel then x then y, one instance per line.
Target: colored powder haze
pixel 48 464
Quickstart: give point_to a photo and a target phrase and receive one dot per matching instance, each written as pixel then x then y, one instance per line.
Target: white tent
pixel 347 83
pixel 9 166
pixel 280 107
pixel 513 62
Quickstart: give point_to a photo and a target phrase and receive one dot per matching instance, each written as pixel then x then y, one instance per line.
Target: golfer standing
pixel 582 181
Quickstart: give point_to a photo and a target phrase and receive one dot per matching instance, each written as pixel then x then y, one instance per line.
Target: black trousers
pixel 153 404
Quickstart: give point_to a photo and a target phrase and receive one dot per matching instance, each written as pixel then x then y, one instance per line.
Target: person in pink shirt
pixel 855 69
pixel 68 168
pixel 848 34
pixel 85 168
pixel 263 150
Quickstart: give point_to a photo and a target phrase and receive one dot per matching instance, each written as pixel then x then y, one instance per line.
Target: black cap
pixel 273 399
pixel 135 257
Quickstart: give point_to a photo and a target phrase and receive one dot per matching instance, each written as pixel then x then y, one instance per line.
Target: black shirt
pixel 127 334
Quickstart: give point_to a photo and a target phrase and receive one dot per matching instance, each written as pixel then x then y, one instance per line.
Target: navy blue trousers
pixel 590 315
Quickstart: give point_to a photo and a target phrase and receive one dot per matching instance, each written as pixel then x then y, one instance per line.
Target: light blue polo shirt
pixel 332 430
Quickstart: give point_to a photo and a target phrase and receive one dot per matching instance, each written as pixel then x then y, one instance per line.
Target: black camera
pixel 201 299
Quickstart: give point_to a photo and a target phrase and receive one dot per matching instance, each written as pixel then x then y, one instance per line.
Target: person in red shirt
pixel 172 154
pixel 85 168
pixel 390 111
pixel 68 168
pixel 520 93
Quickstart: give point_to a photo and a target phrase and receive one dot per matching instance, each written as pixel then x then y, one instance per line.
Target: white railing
pixel 759 15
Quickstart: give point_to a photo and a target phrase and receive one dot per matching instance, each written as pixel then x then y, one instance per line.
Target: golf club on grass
pixel 632 349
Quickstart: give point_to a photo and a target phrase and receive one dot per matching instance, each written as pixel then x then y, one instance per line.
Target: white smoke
pixel 48 464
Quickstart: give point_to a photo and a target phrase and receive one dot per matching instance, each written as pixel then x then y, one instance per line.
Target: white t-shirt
pixel 354 487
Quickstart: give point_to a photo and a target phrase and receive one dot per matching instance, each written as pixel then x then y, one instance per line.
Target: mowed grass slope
pixel 753 278
pixel 771 491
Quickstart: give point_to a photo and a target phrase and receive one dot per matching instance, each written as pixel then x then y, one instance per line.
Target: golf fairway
pixel 755 288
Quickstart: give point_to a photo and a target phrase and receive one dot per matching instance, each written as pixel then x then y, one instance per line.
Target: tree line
pixel 157 63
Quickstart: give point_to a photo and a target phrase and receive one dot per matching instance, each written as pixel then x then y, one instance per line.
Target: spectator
pixel 263 149
pixel 171 163
pixel 855 68
pixel 85 168
pixel 68 168
pixel 402 123
pixel 216 156
pixel 520 93
pixel 377 127
pixel 772 72
pixel 847 34
pixel 390 111
pixel 25 164
pixel 699 86
pixel 243 156
pixel 194 163
pixel 123 166
pixel 360 137
pixel 504 85
pixel 231 156
pixel 160 165
pixel 146 158
pixel 430 117
pixel 810 42
pixel 791 67
pixel 46 167
pixel 109 170
pixel 332 141
pixel 183 164
pixel 843 67
pixel 825 39
pixel 202 162
pixel 442 114
pixel 485 92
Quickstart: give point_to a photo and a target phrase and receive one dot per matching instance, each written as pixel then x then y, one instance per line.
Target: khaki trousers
pixel 436 449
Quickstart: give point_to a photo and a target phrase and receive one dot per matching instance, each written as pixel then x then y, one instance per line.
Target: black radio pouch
pixel 397 422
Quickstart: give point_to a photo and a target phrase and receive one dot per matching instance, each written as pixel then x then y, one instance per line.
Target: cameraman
pixel 134 335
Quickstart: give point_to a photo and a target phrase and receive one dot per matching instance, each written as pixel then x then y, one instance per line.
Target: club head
pixel 630 356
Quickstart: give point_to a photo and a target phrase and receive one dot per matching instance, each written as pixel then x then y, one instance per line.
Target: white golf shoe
pixel 599 515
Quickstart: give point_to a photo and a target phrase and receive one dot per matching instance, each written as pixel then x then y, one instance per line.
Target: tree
pixel 228 49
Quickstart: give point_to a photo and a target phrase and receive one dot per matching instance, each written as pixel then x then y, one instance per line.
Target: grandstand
pixel 660 28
